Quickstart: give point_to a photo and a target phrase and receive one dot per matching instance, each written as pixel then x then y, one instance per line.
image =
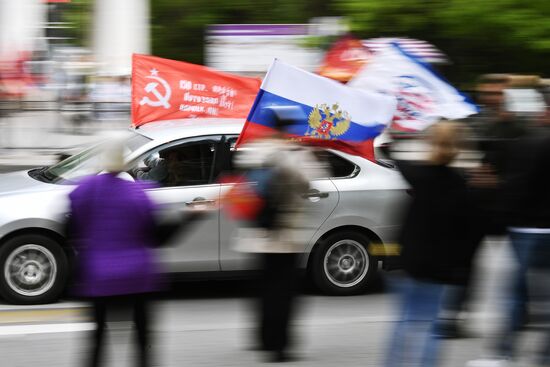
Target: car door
pixel 321 201
pixel 186 180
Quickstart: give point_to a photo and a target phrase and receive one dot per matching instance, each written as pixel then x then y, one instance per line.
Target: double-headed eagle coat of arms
pixel 328 122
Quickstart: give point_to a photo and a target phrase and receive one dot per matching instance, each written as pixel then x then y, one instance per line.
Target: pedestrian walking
pixel 528 199
pixel 437 247
pixel 499 129
pixel 111 227
pixel 282 171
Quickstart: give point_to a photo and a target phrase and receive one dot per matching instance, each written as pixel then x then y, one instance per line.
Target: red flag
pixel 165 89
pixel 344 59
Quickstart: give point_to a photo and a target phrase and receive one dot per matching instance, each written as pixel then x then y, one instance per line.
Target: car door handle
pixel 315 194
pixel 200 201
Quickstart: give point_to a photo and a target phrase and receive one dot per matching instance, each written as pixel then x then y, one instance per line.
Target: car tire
pixel 33 269
pixel 341 264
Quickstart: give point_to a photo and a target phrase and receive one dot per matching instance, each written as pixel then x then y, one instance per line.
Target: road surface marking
pixel 45 315
pixel 50 306
pixel 70 327
pixel 45 328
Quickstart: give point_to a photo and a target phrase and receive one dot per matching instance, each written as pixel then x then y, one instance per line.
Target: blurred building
pixel 20 27
pixel 250 48
pixel 120 28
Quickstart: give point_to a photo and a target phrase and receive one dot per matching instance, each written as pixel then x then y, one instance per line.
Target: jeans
pixel 413 342
pixel 532 251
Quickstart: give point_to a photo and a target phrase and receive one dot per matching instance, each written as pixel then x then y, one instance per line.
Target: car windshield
pixel 87 162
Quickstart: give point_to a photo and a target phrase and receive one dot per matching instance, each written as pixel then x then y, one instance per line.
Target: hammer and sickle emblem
pixel 161 99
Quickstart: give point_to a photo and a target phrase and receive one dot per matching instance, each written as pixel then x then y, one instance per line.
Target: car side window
pixel 232 144
pixel 181 165
pixel 225 154
pixel 338 166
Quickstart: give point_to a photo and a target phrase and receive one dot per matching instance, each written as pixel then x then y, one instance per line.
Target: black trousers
pixel 138 306
pixel 279 287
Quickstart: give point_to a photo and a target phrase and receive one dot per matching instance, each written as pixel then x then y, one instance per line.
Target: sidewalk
pixel 34 138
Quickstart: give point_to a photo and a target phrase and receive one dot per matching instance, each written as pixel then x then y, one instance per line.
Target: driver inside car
pixel 155 169
pixel 162 168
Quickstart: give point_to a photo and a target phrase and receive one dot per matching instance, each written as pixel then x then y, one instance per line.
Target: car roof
pixel 169 130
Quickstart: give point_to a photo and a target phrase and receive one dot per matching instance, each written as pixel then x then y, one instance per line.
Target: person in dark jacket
pixel 496 129
pixel 112 229
pixel 437 247
pixel 527 189
pixel 528 197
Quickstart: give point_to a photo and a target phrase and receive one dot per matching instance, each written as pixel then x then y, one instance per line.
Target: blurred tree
pixel 79 14
pixel 478 36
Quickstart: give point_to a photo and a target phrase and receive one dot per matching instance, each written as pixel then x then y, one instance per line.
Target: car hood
pixel 20 182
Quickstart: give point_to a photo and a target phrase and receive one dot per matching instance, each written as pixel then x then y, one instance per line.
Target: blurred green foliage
pixel 79 14
pixel 479 36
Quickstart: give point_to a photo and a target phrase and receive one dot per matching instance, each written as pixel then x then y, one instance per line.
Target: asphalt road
pixel 212 327
pixel 212 324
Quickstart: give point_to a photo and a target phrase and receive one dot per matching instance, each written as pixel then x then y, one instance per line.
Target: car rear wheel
pixel 341 264
pixel 34 269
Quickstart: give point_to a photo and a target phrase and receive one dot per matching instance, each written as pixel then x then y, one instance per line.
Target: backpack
pixel 252 199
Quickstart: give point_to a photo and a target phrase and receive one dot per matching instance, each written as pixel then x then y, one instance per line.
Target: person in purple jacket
pixel 112 228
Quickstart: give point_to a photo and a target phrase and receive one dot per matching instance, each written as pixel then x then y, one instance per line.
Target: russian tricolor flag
pixel 338 116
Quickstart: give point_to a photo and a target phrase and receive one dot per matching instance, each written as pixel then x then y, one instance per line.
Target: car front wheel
pixel 341 264
pixel 34 269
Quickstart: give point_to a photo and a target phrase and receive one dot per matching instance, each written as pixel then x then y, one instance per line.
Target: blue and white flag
pixel 338 116
pixel 423 97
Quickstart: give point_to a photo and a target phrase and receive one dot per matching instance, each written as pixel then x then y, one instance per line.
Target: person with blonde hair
pixel 436 246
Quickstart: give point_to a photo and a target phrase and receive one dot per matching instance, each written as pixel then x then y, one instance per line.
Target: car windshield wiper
pixel 38 174
pixel 42 174
pixel 47 174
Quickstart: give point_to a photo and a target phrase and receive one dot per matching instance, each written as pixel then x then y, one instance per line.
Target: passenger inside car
pixel 184 165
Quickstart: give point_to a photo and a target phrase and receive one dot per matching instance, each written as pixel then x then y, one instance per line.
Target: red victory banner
pixel 344 59
pixel 165 89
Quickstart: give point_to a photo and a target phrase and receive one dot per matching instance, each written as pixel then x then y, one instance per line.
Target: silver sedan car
pixel 354 208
